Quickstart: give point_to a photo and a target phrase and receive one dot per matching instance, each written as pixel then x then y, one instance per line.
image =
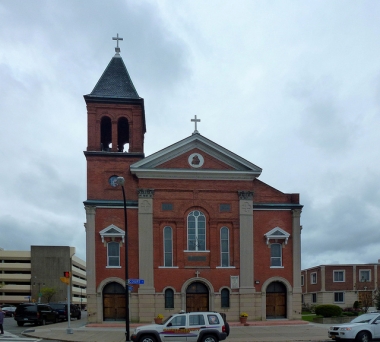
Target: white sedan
pixel 363 328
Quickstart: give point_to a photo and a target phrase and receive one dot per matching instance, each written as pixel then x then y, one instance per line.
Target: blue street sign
pixel 135 281
pixel 130 288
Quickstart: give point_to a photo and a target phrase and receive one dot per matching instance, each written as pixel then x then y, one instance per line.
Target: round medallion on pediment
pixel 196 160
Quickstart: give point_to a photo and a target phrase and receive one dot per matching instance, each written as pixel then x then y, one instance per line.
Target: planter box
pixel 333 320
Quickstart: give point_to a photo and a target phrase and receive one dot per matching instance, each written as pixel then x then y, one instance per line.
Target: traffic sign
pixel 130 288
pixel 135 281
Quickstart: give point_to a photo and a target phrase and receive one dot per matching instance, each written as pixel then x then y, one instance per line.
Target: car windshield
pixel 165 320
pixel 364 318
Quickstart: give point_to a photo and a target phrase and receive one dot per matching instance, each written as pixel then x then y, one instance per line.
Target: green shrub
pixel 328 310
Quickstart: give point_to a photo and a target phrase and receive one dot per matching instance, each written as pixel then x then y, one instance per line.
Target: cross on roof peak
pixel 117 49
pixel 195 120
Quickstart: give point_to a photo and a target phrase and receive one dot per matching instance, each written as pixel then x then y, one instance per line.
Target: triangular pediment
pixel 277 233
pixel 112 231
pixel 195 157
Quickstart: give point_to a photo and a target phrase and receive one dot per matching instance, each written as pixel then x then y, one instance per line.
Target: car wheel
pixel 147 338
pixel 209 338
pixel 363 336
pixel 20 324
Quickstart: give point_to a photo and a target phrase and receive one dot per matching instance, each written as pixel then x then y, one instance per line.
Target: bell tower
pixel 116 116
pixel 115 130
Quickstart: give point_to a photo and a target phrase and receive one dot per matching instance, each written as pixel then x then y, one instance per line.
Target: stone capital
pixel 145 193
pixel 245 195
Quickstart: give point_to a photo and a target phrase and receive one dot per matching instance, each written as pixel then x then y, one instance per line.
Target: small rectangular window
pixel 314 297
pixel 364 275
pixel 338 297
pixel 225 207
pixel 302 280
pixel 338 276
pixel 313 278
pixel 167 206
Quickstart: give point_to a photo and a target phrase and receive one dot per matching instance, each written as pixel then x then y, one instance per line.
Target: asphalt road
pixel 11 326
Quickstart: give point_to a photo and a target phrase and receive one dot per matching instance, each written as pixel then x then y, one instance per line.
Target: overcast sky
pixel 291 86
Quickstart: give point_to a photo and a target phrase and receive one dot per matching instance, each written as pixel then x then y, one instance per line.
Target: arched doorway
pixel 276 300
pixel 113 302
pixel 197 297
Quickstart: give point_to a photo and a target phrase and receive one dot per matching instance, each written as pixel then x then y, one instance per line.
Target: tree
pixel 376 298
pixel 48 293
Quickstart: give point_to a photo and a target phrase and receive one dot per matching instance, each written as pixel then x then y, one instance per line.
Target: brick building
pixel 340 284
pixel 203 232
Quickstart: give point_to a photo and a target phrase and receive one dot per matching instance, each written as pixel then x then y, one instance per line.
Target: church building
pixel 203 232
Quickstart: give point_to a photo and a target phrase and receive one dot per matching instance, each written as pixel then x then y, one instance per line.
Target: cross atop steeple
pixel 117 49
pixel 195 120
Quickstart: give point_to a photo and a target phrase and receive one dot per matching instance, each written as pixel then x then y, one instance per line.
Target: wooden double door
pixel 276 301
pixel 197 297
pixel 114 302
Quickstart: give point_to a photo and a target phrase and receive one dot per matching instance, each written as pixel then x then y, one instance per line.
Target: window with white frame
pixel 302 280
pixel 338 276
pixel 196 231
pixel 168 246
pixel 364 275
pixel 224 247
pixel 275 255
pixel 338 297
pixel 313 297
pixel 313 278
pixel 113 254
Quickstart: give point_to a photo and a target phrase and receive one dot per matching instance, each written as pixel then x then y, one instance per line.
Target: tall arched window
pixel 276 255
pixel 169 299
pixel 196 231
pixel 168 246
pixel 122 134
pixel 224 247
pixel 105 133
pixel 225 298
pixel 113 254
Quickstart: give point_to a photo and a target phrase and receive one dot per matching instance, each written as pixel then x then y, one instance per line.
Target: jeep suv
pixel 185 326
pixel 35 313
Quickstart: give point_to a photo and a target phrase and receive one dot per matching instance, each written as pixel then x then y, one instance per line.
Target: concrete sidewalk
pixel 264 331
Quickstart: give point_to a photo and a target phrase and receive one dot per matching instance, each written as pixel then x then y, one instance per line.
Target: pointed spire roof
pixel 115 82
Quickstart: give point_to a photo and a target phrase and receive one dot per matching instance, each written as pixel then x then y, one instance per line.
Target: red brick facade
pixel 194 175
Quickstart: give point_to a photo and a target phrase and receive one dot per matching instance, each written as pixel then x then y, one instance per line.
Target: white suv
pixel 185 326
pixel 363 328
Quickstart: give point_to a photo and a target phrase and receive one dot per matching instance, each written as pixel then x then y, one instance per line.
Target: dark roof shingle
pixel 115 82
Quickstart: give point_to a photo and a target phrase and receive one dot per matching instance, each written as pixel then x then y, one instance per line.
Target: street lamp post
pixel 120 181
pixel 39 289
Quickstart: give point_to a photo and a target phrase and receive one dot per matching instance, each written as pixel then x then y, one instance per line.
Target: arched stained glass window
pixel 168 246
pixel 225 247
pixel 196 231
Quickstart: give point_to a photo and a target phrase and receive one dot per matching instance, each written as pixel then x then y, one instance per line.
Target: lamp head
pixel 120 181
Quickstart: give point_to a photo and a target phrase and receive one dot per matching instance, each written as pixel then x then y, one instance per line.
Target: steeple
pixel 116 105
